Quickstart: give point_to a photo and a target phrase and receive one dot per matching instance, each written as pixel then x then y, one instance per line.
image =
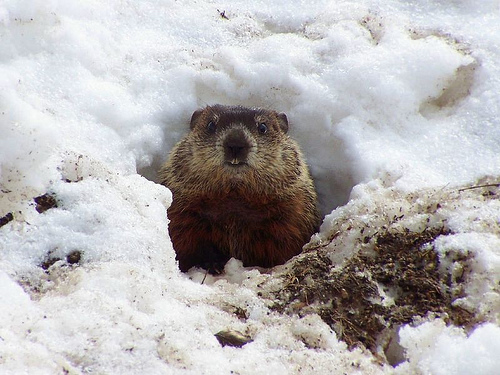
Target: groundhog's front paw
pixel 215 268
pixel 214 261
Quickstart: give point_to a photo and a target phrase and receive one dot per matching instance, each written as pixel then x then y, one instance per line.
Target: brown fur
pixel 258 206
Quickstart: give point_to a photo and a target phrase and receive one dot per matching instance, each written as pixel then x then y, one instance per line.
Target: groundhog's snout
pixel 236 147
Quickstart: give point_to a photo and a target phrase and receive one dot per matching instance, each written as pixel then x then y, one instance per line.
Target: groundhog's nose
pixel 236 147
pixel 235 151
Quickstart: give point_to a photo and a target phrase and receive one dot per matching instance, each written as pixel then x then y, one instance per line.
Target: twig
pixel 479 186
pixel 223 14
pixel 204 277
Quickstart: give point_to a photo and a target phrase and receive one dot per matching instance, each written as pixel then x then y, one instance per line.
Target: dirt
pixel 73 258
pixel 373 293
pixel 6 219
pixel 45 202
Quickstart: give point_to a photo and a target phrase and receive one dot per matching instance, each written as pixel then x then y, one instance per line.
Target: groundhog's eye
pixel 262 128
pixel 211 127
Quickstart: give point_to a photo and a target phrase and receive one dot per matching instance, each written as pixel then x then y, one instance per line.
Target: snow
pixel 430 346
pixel 385 98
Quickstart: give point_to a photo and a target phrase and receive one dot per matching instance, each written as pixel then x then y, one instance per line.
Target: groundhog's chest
pixel 230 209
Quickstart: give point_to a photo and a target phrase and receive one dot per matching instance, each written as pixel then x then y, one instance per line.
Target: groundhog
pixel 240 189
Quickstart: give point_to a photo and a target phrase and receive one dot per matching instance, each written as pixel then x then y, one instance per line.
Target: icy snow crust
pixel 388 97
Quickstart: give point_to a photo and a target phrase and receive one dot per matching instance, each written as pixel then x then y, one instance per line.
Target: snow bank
pixel 93 93
pixel 437 349
pixel 389 259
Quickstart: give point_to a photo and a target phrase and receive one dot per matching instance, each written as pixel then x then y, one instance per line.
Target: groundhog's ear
pixel 283 121
pixel 194 117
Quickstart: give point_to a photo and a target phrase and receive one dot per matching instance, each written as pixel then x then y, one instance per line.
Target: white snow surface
pixel 380 95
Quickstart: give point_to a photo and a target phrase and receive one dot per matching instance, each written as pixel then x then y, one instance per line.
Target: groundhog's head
pixel 233 146
pixel 239 138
